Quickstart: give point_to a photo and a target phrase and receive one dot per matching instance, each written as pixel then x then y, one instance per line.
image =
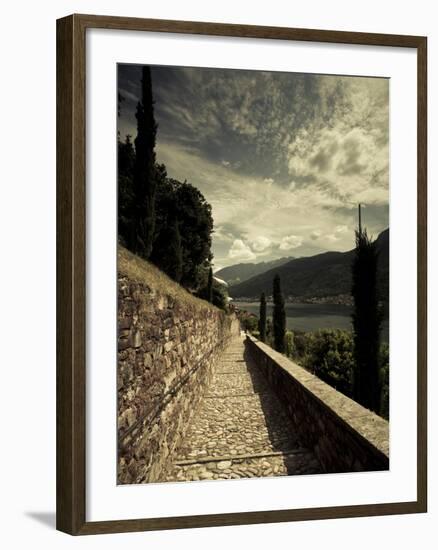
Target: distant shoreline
pixel 342 300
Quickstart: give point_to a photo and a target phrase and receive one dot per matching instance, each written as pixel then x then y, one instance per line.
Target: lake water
pixel 311 317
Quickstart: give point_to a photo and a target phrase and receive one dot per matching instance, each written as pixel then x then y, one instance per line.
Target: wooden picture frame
pixel 71 273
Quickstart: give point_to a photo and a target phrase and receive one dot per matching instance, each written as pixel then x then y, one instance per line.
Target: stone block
pixel 168 346
pixel 158 337
pixel 123 343
pixel 124 323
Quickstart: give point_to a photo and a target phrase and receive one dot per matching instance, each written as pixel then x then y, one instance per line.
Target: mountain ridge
pixel 321 275
pixel 238 273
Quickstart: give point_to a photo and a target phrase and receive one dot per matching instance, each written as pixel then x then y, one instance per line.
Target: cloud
pixel 339 231
pixel 259 244
pixel 332 130
pixel 239 251
pixel 245 209
pixel 277 155
pixel 291 242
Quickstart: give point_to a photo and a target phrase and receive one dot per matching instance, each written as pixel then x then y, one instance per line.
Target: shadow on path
pixel 281 433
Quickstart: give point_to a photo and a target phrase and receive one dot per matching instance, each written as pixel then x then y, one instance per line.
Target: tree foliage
pixel 185 203
pixel 330 357
pixel 367 320
pixel 384 381
pixel 329 354
pixel 278 316
pixel 142 212
pixel 219 296
pixel 210 286
pixel 170 259
pixel 125 170
pixel 262 318
pixel 161 219
pixel 194 213
pixel 248 321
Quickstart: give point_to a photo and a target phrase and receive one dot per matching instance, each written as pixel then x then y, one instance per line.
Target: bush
pixel 219 296
pixel 330 356
pixel 301 344
pixel 289 343
pixel 249 322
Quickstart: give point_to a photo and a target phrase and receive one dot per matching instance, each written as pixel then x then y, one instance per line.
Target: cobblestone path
pixel 240 429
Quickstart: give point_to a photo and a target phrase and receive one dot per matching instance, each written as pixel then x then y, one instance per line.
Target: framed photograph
pixel 241 274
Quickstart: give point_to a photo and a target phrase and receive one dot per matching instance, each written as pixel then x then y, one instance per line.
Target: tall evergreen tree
pixel 142 220
pixel 210 286
pixel 367 320
pixel 125 167
pixel 262 318
pixel 279 317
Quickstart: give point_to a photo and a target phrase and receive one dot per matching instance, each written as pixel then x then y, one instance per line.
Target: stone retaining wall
pixel 344 435
pixel 168 342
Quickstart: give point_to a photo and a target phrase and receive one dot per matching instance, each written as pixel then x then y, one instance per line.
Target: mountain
pixel 327 274
pixel 235 274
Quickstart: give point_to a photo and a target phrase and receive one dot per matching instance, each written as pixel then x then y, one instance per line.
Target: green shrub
pixel 219 296
pixel 301 343
pixel 249 322
pixel 330 356
pixel 289 343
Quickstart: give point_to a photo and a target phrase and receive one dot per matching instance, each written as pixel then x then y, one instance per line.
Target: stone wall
pixel 168 342
pixel 344 435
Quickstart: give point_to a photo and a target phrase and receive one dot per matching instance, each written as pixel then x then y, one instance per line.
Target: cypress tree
pixel 210 286
pixel 125 166
pixel 367 320
pixel 262 318
pixel 279 317
pixel 144 184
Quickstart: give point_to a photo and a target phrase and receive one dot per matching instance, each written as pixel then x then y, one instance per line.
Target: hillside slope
pixel 238 273
pixel 327 274
pixel 139 270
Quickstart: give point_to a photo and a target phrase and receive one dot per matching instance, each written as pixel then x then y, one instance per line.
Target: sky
pixel 283 158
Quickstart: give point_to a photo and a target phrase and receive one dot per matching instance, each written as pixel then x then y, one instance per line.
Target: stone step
pixel 241 468
pixel 203 460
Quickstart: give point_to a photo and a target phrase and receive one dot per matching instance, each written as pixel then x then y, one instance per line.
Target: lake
pixel 311 317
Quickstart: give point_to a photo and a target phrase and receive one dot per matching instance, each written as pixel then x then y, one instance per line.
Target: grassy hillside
pixel 327 274
pixel 136 269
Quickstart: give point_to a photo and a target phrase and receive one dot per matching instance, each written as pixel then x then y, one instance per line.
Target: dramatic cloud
pixel 290 242
pixel 259 244
pixel 240 252
pixel 283 159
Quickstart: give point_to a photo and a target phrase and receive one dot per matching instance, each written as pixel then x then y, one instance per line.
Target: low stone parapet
pixel 344 435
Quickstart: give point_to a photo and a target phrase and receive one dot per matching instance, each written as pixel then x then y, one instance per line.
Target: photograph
pixel 252 274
